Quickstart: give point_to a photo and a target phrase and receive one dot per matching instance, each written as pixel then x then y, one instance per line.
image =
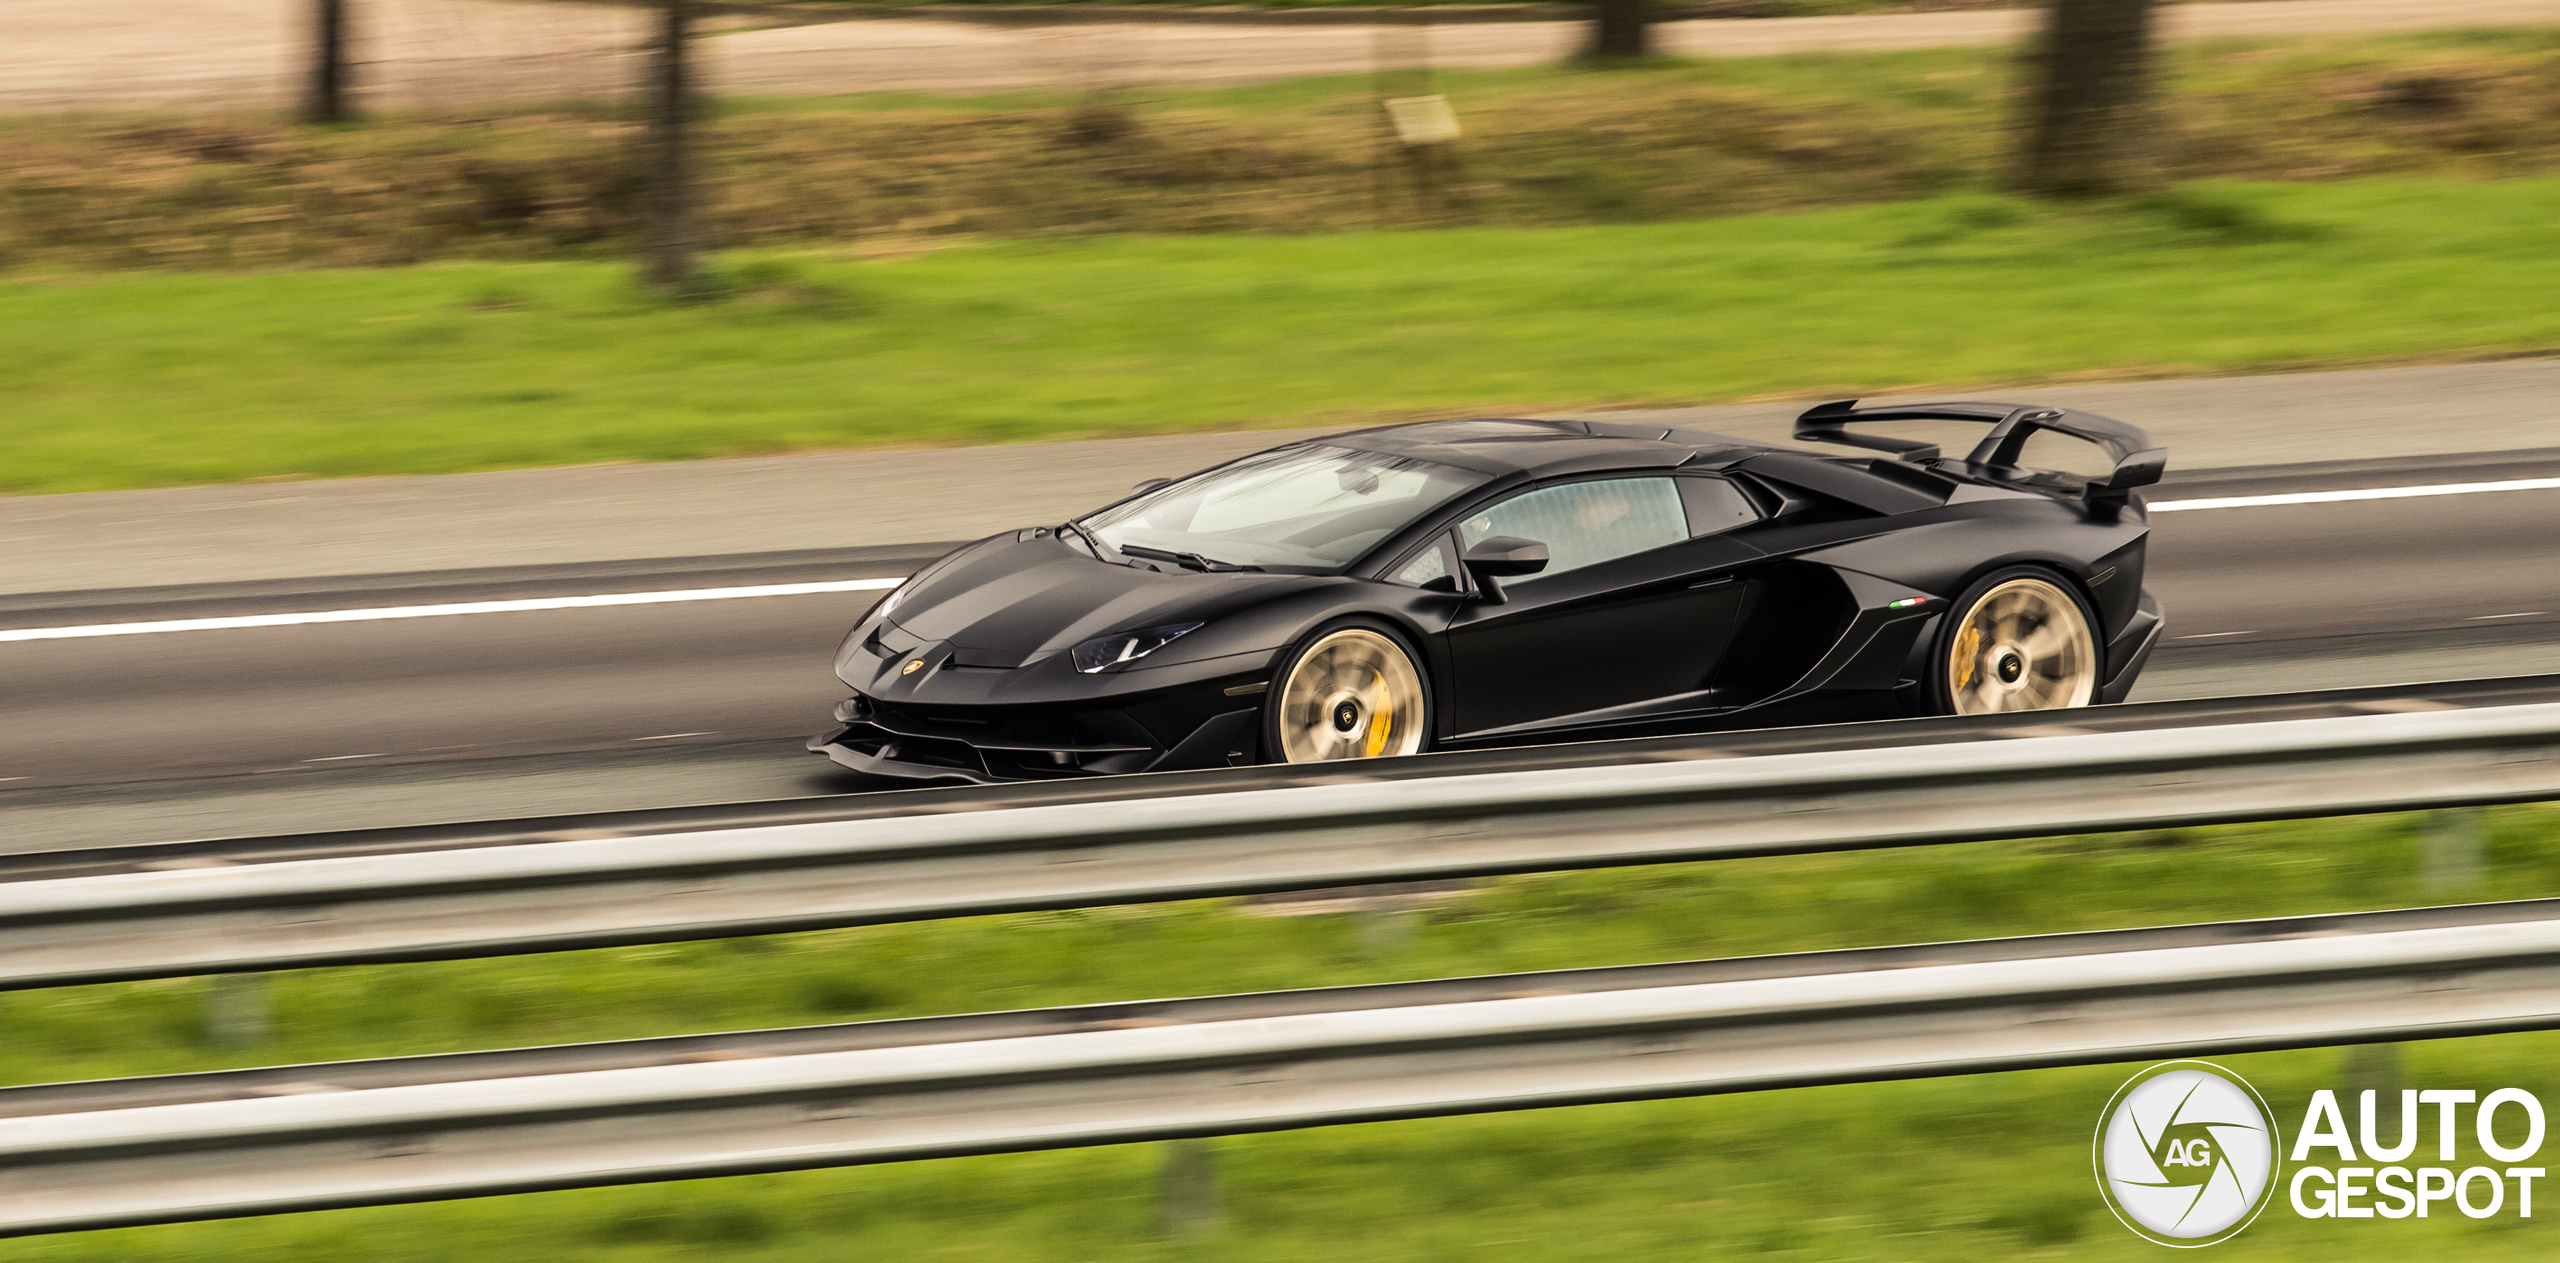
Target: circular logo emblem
pixel 2186 1153
pixel 912 667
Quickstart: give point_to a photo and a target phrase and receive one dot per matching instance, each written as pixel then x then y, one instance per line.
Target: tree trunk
pixel 2091 128
pixel 324 94
pixel 671 229
pixel 1621 29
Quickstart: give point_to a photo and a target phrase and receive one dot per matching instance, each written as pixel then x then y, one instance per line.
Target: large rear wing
pixel 2138 463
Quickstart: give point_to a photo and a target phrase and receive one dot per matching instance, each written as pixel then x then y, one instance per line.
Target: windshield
pixel 1298 508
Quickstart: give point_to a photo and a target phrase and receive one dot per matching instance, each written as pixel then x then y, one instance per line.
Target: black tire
pixel 1371 697
pixel 2035 646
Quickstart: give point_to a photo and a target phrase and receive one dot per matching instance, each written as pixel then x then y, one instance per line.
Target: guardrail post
pixel 236 1012
pixel 2452 850
pixel 1387 925
pixel 1187 1188
pixel 2371 1068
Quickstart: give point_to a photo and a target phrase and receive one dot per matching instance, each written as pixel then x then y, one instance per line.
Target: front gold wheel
pixel 2023 645
pixel 1352 695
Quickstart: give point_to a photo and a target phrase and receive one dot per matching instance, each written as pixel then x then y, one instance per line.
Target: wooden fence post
pixel 672 267
pixel 325 92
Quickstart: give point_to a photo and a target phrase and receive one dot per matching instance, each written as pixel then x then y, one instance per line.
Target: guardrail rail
pixel 590 892
pixel 92 1155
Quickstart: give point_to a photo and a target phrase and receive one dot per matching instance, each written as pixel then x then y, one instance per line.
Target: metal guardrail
pixel 672 887
pixel 191 1147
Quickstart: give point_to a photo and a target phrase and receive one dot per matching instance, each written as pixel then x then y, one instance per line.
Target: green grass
pixel 1552 146
pixel 136 380
pixel 1990 1166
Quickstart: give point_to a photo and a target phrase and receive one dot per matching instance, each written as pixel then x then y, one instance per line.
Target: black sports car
pixel 1455 584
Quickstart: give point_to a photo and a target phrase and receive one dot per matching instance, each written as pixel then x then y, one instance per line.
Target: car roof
pixel 1540 448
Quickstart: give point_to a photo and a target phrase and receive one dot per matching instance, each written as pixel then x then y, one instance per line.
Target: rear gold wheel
pixel 2024 644
pixel 1354 694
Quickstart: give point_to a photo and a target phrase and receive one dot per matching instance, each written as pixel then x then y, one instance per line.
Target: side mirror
pixel 1150 485
pixel 1503 557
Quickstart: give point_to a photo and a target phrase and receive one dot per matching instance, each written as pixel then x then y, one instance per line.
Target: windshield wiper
pixel 1167 554
pixel 1091 544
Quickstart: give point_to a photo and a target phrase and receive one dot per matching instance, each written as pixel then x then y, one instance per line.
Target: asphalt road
pixel 541 523
pixel 224 732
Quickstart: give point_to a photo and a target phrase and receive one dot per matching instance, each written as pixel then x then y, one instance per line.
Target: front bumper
pixel 993 745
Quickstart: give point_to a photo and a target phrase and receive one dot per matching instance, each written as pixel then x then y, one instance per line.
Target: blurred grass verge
pixel 1991 1166
pixel 1544 147
pixel 142 379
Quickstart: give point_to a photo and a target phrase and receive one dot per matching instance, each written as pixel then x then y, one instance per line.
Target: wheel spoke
pixel 2047 643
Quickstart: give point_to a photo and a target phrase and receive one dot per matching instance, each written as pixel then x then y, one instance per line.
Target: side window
pixel 1429 569
pixel 1585 523
pixel 1715 505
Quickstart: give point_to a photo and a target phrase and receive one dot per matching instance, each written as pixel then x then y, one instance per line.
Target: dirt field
pixel 197 54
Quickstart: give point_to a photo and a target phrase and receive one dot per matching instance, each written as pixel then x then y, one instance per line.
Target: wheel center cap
pixel 2010 666
pixel 1346 715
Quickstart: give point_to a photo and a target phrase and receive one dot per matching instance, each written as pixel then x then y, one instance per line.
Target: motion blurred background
pixel 253 242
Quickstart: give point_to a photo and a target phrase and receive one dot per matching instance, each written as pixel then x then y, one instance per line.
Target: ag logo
pixel 2186 1155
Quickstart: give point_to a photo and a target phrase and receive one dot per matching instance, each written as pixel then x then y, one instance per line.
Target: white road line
pixel 2371 493
pixel 876 585
pixel 439 611
pixel 2482 618
pixel 2211 635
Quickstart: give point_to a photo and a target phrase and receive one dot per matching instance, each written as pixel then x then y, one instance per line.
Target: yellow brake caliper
pixel 1968 642
pixel 1382 715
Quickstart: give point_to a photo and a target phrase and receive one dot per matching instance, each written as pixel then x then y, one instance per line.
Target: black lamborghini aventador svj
pixel 1469 583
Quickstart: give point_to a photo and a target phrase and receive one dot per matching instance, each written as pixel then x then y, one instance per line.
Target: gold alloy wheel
pixel 1352 695
pixel 2024 646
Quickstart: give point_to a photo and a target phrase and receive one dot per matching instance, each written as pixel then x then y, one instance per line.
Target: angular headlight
pixel 1110 651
